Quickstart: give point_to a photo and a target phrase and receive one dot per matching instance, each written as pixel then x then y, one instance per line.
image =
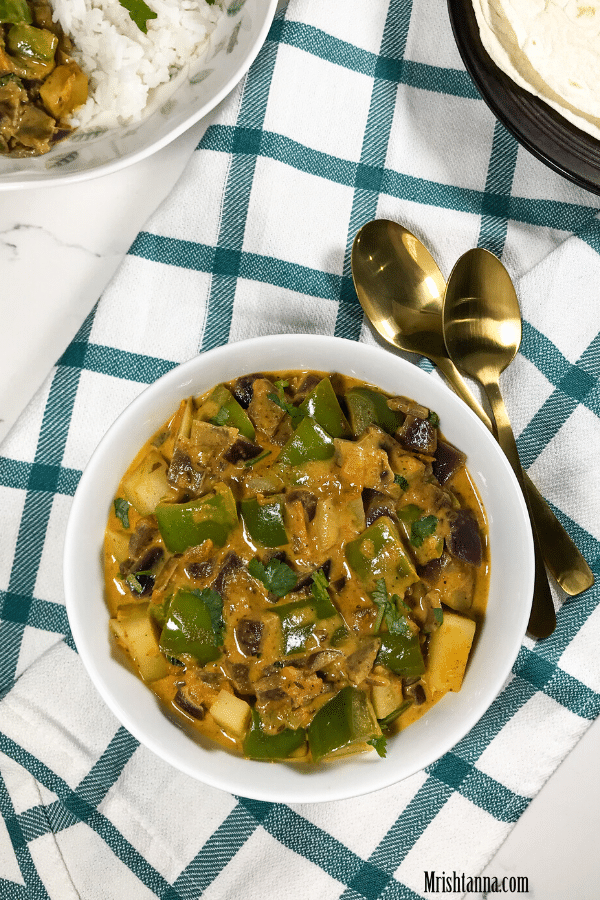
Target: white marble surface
pixel 59 247
pixel 81 232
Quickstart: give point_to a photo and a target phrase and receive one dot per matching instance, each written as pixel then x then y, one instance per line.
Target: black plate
pixel 555 141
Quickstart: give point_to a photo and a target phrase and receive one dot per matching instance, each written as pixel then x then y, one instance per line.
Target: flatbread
pixel 550 48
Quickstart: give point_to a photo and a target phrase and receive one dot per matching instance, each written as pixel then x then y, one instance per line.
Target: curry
pixel 297 564
pixel 40 83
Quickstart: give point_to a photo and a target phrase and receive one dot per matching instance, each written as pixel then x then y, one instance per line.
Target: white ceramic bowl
pixel 90 152
pixel 430 737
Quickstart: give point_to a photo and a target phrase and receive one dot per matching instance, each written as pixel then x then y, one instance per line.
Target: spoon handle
pixel 453 376
pixel 542 620
pixel 561 555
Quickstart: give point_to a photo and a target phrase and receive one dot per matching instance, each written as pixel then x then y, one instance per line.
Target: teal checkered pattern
pixel 490 192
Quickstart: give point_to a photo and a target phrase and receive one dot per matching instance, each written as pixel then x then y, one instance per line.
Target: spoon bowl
pixel 482 330
pixel 400 287
pixel 484 335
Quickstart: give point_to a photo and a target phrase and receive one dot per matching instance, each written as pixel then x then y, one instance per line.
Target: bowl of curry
pixel 311 568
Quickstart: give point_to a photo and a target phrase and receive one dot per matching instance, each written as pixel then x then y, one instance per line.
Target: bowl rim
pixel 285 783
pixel 134 156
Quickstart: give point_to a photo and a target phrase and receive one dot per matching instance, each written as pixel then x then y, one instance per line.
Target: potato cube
pixel 231 714
pixel 448 652
pixel 135 631
pixel 147 485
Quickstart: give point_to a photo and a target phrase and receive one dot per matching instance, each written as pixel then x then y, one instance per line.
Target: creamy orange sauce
pixel 324 504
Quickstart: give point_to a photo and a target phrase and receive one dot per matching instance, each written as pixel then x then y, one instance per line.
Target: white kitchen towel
pixel 353 110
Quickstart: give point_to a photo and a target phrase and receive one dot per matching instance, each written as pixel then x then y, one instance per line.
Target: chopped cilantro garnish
pixel 433 418
pixel 380 745
pixel 279 398
pixel 276 576
pixel 319 587
pixel 320 592
pixel 401 480
pixel 214 604
pixel 139 12
pixel 388 609
pixel 122 511
pixel 422 528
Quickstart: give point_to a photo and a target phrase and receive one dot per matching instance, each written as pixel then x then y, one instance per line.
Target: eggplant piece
pixel 183 474
pixel 307 499
pixel 305 581
pixel 200 569
pixel 145 532
pixel 243 389
pixel 464 540
pixel 231 564
pixel 239 673
pixel 417 435
pixel 242 450
pixel 413 689
pixel 249 634
pixel 309 383
pixel 264 413
pixel 186 705
pixel 447 461
pixel 360 663
pixel 144 556
pixel 316 661
pixel 376 505
pixel 431 572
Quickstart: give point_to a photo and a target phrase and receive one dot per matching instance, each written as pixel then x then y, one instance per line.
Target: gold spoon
pixel 401 291
pixel 482 330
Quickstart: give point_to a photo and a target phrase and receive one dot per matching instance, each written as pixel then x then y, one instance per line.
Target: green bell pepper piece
pixel 260 745
pixel 379 553
pixel 298 620
pixel 30 43
pixel 401 653
pixel 347 719
pixel 369 407
pixel 230 412
pixel 409 513
pixel 184 525
pixel 190 627
pixel 264 522
pixel 158 611
pixel 324 407
pixel 395 714
pixel 309 442
pixel 15 12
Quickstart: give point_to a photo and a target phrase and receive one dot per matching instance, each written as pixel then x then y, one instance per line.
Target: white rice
pixel 122 63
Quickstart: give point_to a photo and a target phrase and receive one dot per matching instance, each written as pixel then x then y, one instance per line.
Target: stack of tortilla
pixel 551 48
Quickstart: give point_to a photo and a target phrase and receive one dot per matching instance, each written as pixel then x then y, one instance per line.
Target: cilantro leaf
pixel 401 480
pixel 139 13
pixel 214 604
pixel 422 528
pixel 276 576
pixel 122 511
pixel 388 610
pixel 433 418
pixel 279 398
pixel 320 592
pixel 380 745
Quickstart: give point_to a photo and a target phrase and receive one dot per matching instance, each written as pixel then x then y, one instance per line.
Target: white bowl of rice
pixel 145 89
